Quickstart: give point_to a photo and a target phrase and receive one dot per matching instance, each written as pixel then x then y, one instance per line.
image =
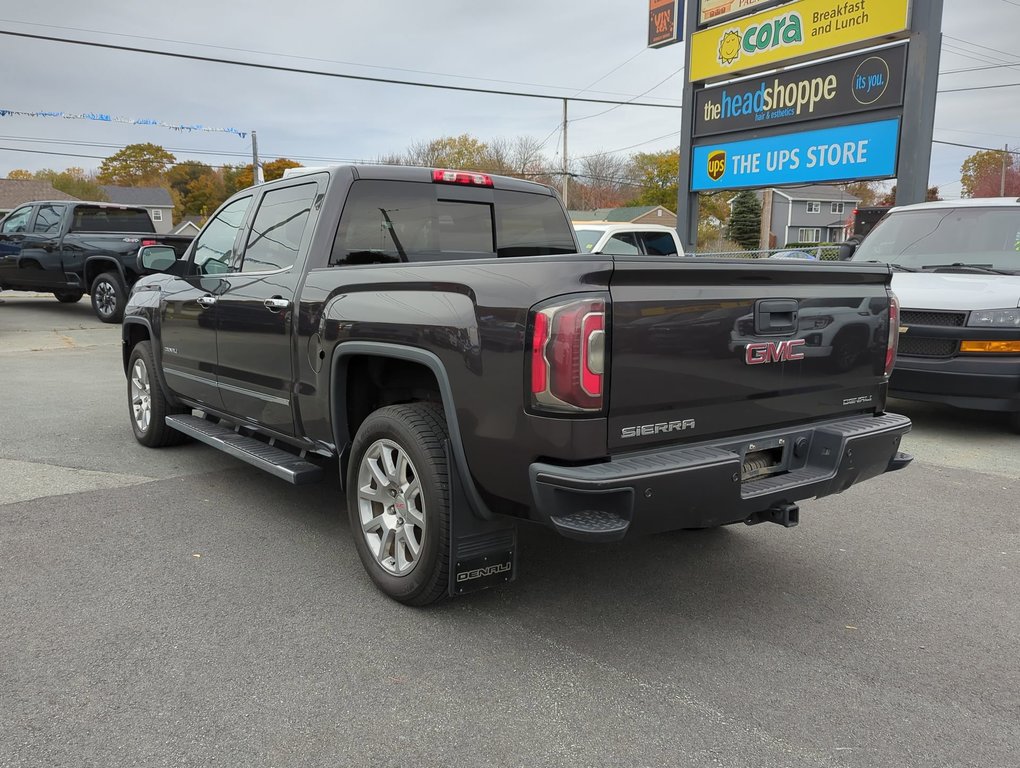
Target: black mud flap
pixel 483 553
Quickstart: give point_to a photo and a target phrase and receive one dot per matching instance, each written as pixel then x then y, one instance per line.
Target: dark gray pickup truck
pixel 437 335
pixel 70 249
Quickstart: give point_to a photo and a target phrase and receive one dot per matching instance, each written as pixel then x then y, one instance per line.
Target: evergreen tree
pixel 745 222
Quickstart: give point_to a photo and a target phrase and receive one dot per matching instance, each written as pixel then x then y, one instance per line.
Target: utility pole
pixel 566 178
pixel 256 169
pixel 919 102
pixel 1002 181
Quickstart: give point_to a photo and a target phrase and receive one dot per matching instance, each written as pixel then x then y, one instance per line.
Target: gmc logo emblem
pixel 774 352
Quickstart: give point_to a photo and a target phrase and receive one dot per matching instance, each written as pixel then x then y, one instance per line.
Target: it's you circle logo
pixel 870 80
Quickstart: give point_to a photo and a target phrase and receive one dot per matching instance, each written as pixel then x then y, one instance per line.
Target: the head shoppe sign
pixel 794 32
pixel 861 151
pixel 846 86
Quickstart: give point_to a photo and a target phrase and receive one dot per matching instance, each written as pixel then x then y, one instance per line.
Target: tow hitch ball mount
pixel 786 515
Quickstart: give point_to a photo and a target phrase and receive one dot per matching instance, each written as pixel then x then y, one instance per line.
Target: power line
pixel 979 88
pixel 606 111
pixel 325 61
pixel 975 146
pixel 632 146
pixel 320 73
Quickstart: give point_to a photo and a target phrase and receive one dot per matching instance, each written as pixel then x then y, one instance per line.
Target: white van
pixel 957 276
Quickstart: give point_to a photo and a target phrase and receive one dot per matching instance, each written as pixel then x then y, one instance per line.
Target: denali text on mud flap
pixel 478 573
pixel 647 430
pixel 774 352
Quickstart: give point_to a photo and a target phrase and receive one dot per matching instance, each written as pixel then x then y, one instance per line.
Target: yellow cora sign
pixel 794 32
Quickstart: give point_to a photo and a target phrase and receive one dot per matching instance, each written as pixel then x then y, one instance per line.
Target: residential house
pixel 189 225
pixel 15 192
pixel 155 199
pixel 640 214
pixel 811 214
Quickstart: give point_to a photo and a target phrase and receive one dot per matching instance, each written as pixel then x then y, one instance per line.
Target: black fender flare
pixel 104 259
pixel 338 413
pixel 157 353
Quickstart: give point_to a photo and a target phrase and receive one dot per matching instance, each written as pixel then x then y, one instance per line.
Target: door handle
pixel 206 301
pixel 276 303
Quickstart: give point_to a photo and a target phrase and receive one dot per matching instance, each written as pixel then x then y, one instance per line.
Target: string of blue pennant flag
pixel 104 118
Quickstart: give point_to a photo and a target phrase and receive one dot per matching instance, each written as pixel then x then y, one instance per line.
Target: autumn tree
pixel 137 165
pixel 464 151
pixel 868 192
pixel 76 182
pixel 658 174
pixel 932 195
pixel 274 168
pixel 20 174
pixel 745 222
pixel 601 181
pixel 982 174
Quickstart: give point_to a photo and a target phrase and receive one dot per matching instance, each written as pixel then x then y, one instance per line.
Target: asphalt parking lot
pixel 179 608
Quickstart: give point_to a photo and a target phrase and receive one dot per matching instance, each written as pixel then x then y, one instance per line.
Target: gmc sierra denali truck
pixel 71 248
pixel 437 334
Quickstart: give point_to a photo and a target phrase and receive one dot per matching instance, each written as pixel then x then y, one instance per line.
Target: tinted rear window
pixel 96 219
pixel 389 222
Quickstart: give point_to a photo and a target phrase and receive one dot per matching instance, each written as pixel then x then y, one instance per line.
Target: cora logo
pixel 780 31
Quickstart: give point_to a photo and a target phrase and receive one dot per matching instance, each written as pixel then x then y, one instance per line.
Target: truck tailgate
pixel 701 348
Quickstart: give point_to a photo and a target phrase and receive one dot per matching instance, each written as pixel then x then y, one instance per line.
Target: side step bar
pixel 273 460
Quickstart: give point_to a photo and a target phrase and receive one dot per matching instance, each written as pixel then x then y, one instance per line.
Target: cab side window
pixel 214 248
pixel 47 220
pixel 278 228
pixel 621 244
pixel 658 244
pixel 17 221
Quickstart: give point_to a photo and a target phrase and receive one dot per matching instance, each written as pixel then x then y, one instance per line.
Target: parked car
pixel 628 239
pixel 73 248
pixel 804 255
pixel 438 333
pixel 957 268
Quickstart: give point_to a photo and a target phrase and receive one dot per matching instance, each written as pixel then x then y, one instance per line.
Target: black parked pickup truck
pixel 437 333
pixel 70 249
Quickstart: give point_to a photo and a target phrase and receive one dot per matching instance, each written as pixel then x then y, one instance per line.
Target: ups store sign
pixel 846 86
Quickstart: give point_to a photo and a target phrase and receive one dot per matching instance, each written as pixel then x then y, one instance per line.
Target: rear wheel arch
pixel 97 265
pixel 421 361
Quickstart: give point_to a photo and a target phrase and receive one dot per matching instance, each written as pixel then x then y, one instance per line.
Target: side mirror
pixel 156 258
pixel 847 250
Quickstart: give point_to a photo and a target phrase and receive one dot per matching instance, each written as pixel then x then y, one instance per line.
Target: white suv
pixel 628 239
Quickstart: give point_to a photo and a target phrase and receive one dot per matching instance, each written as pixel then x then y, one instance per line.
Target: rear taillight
pixel 149 242
pixel 568 356
pixel 440 176
pixel 894 333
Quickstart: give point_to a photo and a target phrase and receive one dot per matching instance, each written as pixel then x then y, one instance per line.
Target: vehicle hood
pixel 946 290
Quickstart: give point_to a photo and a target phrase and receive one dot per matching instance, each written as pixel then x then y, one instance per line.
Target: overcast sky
pixel 556 47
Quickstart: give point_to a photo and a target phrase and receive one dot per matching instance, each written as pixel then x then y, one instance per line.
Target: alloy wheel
pixel 141 396
pixel 391 507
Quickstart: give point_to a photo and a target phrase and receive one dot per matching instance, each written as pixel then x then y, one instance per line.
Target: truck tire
pixel 68 297
pixel 147 405
pixel 398 501
pixel 108 297
pixel 1014 421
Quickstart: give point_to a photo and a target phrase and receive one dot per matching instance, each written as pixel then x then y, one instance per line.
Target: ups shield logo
pixel 716 165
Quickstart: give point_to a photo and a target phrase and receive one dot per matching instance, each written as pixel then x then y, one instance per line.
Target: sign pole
pixel 687 207
pixel 919 103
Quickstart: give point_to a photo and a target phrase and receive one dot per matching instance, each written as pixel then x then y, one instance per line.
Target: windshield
pixel 982 237
pixel 588 238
